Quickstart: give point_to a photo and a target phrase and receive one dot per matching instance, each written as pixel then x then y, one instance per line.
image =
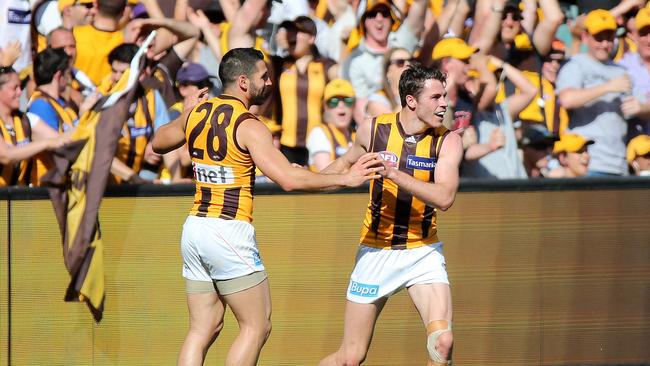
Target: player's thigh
pixel 359 325
pixel 206 311
pixel 251 306
pixel 432 300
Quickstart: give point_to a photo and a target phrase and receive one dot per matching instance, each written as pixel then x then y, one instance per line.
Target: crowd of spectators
pixel 536 88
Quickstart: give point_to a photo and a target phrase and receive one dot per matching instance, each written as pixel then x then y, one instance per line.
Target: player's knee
pixel 445 343
pixel 210 328
pixel 440 340
pixel 259 330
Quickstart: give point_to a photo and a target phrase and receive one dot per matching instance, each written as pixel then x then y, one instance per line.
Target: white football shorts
pixel 380 273
pixel 218 249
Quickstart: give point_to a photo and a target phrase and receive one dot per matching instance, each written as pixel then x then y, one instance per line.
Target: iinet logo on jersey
pixel 363 290
pixel 213 174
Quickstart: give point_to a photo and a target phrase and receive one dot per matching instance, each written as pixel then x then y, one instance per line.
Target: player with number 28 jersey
pixel 224 172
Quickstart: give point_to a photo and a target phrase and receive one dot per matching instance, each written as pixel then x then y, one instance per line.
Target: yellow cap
pixel 571 143
pixel 338 88
pixel 133 2
pixel 452 47
pixel 65 3
pixel 600 20
pixel 642 18
pixel 638 146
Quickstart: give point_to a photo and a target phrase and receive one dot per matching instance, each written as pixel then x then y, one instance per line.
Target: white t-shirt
pixel 15 18
pixel 317 142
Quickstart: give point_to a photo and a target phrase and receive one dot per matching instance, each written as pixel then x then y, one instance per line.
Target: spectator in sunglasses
pixel 49 15
pixel 76 12
pixel 387 100
pixel 380 29
pixel 557 117
pixel 332 139
pixel 518 34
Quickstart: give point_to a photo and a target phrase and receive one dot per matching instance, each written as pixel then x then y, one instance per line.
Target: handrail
pixel 466 185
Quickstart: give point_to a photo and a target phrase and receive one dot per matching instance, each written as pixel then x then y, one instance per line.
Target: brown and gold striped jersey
pixel 224 172
pixel 395 219
pixel 301 96
pixel 67 117
pixel 136 133
pixel 16 134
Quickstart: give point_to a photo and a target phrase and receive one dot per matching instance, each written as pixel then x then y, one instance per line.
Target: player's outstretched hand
pixel 365 169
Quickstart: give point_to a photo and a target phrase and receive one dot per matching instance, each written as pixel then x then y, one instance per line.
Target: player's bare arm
pixel 172 135
pixel 254 136
pixel 442 192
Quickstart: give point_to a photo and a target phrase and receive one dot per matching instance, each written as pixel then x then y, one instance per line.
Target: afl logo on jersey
pixel 389 157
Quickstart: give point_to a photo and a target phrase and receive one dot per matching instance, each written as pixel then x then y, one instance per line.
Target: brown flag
pixel 77 183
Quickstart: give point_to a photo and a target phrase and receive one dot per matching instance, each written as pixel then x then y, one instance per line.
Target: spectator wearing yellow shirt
pixel 96 40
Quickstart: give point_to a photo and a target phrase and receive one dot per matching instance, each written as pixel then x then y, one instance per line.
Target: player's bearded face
pixel 259 93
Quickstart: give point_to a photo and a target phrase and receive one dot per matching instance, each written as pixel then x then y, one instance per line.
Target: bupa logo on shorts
pixel 420 163
pixel 388 156
pixel 256 259
pixel 213 174
pixel 363 290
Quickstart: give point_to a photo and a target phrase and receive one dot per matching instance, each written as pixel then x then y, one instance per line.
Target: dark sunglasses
pixel 604 36
pixel 400 62
pixel 334 102
pixel 373 13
